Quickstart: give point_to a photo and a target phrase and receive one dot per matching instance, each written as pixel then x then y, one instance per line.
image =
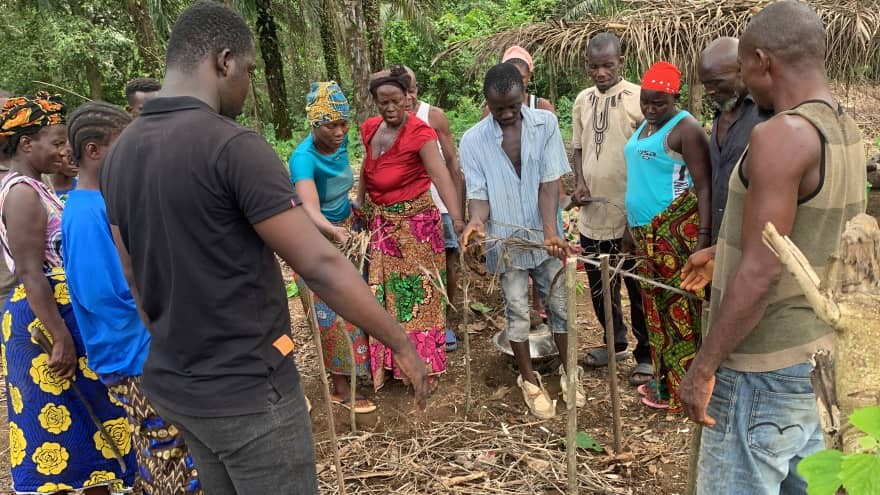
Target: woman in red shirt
pixel 406 249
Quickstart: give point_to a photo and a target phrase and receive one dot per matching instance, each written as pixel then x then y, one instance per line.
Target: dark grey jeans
pixel 269 452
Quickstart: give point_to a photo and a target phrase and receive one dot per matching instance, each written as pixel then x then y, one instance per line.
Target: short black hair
pixel 204 29
pixel 502 78
pixel 142 85
pixel 788 29
pixel 94 121
pixel 522 64
pixel 601 42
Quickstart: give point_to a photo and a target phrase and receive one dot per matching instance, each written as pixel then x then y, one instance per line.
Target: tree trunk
pixel 357 50
pixel 848 299
pixel 145 35
pixel 328 41
pixel 273 67
pixel 95 79
pixel 373 19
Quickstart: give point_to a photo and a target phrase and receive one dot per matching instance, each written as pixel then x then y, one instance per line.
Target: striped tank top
pixel 53 207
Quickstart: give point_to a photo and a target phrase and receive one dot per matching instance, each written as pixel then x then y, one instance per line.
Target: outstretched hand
pixel 413 367
pixel 474 229
pixel 697 272
pixel 559 247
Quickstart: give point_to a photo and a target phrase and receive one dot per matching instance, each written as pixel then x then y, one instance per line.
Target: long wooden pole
pixel 465 320
pixel 312 318
pixel 572 374
pixel 609 342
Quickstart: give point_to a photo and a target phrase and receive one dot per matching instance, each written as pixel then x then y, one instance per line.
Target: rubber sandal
pixel 647 389
pixel 451 340
pixel 361 406
pixel 642 369
pixel 655 403
pixel 599 357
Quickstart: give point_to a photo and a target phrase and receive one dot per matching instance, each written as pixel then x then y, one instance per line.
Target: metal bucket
pixel 541 344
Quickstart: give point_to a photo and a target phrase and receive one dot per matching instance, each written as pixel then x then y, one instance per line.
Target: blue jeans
pixel 515 289
pixel 268 452
pixel 766 423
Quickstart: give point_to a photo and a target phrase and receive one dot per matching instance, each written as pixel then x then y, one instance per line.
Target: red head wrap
pixel 663 77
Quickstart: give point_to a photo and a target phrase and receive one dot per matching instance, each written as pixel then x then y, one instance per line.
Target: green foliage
pixel 480 308
pixel 584 441
pixel 859 473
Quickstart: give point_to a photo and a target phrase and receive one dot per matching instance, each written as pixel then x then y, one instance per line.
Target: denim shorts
pixel 515 289
pixel 449 238
pixel 766 423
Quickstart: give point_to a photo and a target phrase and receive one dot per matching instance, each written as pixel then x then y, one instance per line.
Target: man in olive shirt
pixel 196 217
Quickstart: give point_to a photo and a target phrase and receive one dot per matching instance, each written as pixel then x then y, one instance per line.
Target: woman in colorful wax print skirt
pixel 322 175
pixel 53 442
pixel 669 213
pixel 407 255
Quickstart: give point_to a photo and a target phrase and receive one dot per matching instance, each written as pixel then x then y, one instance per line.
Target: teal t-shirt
pixel 331 173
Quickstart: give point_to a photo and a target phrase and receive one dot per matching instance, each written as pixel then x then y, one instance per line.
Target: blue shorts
pixel 449 238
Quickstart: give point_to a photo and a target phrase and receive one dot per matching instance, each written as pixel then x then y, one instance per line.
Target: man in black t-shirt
pixel 197 205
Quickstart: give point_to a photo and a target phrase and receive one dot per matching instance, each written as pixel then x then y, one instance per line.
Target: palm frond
pixel 678 31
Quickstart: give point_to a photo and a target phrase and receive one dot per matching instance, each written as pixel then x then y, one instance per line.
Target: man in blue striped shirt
pixel 512 161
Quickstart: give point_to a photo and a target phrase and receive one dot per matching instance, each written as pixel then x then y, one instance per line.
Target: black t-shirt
pixel 185 185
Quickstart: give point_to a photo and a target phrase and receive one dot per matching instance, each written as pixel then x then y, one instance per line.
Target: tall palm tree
pixel 273 67
pixel 149 50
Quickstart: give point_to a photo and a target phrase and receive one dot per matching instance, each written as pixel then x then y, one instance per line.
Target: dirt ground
pixel 655 446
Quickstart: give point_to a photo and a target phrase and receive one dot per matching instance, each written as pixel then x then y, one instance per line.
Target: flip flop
pixel 647 389
pixel 655 403
pixel 361 406
pixel 642 369
pixel 451 341
pixel 600 357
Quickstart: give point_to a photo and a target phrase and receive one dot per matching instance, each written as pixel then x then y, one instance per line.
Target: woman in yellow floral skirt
pixel 54 445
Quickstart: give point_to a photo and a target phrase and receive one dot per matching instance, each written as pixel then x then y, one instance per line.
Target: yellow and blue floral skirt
pixel 53 443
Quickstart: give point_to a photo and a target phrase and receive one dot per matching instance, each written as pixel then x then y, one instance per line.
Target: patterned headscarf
pixel 326 103
pixel 37 110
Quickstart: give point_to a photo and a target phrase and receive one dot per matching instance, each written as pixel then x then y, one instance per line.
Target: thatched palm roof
pixel 678 30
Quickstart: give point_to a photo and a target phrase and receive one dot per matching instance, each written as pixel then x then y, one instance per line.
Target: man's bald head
pixel 788 30
pixel 721 53
pixel 719 73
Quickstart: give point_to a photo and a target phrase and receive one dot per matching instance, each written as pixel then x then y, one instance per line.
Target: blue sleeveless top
pixel 653 177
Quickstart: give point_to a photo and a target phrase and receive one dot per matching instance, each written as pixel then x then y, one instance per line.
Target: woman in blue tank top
pixel 668 204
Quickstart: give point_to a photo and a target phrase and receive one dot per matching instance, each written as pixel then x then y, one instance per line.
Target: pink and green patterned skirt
pixel 407 261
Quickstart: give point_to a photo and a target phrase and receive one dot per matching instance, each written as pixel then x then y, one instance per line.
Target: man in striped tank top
pixel 803 172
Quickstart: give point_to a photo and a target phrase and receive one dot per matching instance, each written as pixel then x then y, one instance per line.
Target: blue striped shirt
pixel 513 200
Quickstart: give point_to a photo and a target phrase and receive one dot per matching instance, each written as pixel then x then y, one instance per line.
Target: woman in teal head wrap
pixel 322 176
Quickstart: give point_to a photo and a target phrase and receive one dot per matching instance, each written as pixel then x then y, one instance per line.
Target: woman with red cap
pixel 668 205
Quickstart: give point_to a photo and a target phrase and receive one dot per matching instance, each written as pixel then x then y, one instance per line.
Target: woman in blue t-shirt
pixel 322 176
pixel 668 206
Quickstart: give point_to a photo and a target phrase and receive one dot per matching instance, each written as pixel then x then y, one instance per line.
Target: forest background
pixel 91 48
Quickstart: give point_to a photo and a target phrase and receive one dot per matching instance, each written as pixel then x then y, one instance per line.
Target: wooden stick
pixel 306 295
pixel 352 384
pixel 697 434
pixel 609 342
pixel 571 374
pixel 466 317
